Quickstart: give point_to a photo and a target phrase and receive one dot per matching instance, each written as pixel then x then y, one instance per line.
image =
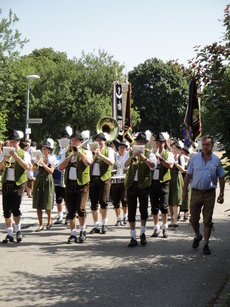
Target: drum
pixel 117 179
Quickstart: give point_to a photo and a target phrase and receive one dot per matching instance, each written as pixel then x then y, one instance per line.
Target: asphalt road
pixel 45 271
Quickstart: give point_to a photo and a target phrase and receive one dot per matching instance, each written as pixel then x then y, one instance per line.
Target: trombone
pixel 75 149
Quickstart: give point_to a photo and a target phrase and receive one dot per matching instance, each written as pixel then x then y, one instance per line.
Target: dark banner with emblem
pixel 117 103
pixel 192 117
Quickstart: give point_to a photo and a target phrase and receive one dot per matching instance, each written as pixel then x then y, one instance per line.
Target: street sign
pixel 35 120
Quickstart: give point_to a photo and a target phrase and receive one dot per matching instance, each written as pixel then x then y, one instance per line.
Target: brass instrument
pixel 37 156
pixel 138 148
pixel 75 149
pixel 7 157
pixel 7 161
pixel 93 146
pixel 36 164
pixel 109 127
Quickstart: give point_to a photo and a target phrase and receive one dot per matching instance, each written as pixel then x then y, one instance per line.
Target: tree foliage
pixel 75 92
pixel 160 92
pixel 10 42
pixel 212 65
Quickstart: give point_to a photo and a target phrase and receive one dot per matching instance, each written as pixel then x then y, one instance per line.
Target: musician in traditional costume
pixel 59 184
pixel 76 163
pixel 137 182
pixel 43 195
pixel 118 192
pixel 100 183
pixel 176 183
pixel 159 191
pixel 27 146
pixel 13 185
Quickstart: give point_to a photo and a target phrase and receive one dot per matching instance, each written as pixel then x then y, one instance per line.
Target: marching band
pixel 82 170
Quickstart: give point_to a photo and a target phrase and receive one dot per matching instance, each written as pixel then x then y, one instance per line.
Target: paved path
pixel 45 271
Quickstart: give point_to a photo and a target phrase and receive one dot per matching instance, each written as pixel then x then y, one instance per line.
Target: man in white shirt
pixel 100 183
pixel 13 185
pixel 77 177
pixel 159 191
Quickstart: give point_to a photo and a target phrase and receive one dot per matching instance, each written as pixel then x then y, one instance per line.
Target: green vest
pixel 164 172
pixel 105 169
pixel 144 174
pixel 19 172
pixel 83 171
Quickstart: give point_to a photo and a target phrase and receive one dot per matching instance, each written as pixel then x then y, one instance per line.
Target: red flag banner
pixel 192 118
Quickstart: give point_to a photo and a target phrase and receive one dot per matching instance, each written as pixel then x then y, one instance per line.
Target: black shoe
pixel 19 236
pixel 206 250
pixel 155 233
pixel 165 233
pixel 143 239
pixel 124 221
pixel 196 242
pixel 66 219
pixel 118 223
pixel 8 239
pixel 95 230
pixel 132 242
pixel 72 239
pixel 58 221
pixel 104 229
pixel 82 236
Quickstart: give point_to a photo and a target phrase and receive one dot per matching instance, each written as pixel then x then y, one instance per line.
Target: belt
pixel 73 164
pixel 203 191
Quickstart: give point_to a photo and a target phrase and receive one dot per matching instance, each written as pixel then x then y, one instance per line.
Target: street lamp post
pixel 29 77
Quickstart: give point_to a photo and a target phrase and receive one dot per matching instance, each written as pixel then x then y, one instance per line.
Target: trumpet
pixel 37 157
pixel 7 157
pixel 7 161
pixel 36 164
pixel 93 146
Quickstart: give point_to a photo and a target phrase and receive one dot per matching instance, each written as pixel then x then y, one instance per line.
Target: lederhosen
pixel 12 191
pixel 159 191
pixel 77 191
pixel 100 185
pixel 118 193
pixel 138 189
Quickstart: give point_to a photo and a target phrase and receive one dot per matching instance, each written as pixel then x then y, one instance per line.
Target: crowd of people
pixel 175 180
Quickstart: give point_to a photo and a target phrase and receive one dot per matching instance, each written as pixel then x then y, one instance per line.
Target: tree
pixel 212 64
pixel 160 92
pixel 75 92
pixel 10 41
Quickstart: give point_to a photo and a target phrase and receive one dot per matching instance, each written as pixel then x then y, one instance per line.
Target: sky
pixel 131 31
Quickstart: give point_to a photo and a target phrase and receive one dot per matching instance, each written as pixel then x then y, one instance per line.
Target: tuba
pixel 109 127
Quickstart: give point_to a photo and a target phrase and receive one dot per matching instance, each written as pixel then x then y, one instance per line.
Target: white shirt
pixel 170 159
pixel 73 170
pixel 10 173
pixel 96 168
pixel 153 159
pixel 120 162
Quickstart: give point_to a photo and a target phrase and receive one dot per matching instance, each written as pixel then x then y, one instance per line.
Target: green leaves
pixel 160 92
pixel 212 66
